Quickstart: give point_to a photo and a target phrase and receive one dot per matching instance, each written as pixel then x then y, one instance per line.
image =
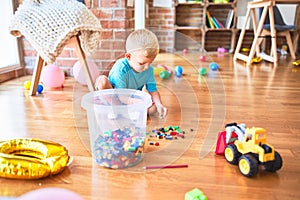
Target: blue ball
pixel 40 88
pixel 178 71
pixel 213 66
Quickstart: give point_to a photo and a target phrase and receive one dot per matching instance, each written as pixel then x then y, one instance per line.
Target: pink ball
pixel 52 76
pixel 50 194
pixel 203 58
pixel 78 72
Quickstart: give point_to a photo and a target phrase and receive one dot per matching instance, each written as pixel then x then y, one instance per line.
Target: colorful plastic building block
pixel 195 194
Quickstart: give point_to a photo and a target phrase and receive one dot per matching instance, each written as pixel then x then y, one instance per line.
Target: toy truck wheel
pixel 274 165
pixel 231 153
pixel 248 165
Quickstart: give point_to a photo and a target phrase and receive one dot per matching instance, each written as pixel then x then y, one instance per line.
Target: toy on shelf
pixel 221 50
pixel 252 151
pixel 195 194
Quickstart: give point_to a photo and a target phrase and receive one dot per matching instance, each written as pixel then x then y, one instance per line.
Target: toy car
pixel 252 151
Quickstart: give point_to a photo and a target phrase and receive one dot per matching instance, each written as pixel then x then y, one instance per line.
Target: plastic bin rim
pixel 86 99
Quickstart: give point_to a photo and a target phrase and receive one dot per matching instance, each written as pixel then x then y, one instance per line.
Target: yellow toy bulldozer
pixel 252 151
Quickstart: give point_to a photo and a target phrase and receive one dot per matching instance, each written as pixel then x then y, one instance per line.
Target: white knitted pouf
pixel 49 24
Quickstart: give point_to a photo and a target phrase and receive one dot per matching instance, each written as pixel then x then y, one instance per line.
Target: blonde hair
pixel 142 40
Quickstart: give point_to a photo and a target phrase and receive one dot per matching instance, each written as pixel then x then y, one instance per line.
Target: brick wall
pixel 161 22
pixel 117 21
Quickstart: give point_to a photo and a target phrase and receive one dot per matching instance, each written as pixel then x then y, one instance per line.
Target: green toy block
pixel 194 194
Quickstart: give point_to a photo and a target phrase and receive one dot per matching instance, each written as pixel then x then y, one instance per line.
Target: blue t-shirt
pixel 122 76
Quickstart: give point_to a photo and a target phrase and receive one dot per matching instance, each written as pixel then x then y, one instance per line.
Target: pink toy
pixel 52 76
pixel 203 58
pixel 78 72
pixel 221 50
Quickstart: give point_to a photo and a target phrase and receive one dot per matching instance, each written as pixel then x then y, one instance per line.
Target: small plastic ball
pixel 202 71
pixel 27 85
pixel 40 88
pixel 184 51
pixel 157 70
pixel 164 74
pixel 178 71
pixel 213 66
pixel 203 58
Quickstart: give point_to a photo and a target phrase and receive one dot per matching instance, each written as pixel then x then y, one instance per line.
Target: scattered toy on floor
pixel 195 194
pixel 202 58
pixel 178 71
pixel 213 66
pixel 252 151
pixel 202 71
pixel 52 76
pixel 27 85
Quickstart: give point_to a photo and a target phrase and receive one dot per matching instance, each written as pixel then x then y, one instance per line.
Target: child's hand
pixel 162 110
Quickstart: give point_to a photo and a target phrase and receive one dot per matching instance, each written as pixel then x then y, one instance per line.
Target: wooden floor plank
pixel 260 95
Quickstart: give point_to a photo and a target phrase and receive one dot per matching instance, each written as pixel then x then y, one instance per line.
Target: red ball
pixel 203 58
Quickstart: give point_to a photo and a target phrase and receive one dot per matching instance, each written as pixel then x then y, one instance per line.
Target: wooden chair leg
pixel 82 58
pixel 273 36
pixel 290 44
pixel 39 64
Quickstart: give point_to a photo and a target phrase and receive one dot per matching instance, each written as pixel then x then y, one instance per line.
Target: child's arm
pixel 162 110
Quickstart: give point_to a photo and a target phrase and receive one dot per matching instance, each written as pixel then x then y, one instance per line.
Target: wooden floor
pixel 260 95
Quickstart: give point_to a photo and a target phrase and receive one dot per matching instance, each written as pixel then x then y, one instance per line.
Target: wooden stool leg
pixel 290 44
pixel 241 37
pixel 273 35
pixel 84 64
pixel 39 64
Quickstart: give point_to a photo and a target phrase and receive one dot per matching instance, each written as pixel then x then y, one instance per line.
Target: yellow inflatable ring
pixel 31 158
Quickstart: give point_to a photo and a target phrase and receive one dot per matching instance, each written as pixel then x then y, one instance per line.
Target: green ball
pixel 202 71
pixel 164 74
